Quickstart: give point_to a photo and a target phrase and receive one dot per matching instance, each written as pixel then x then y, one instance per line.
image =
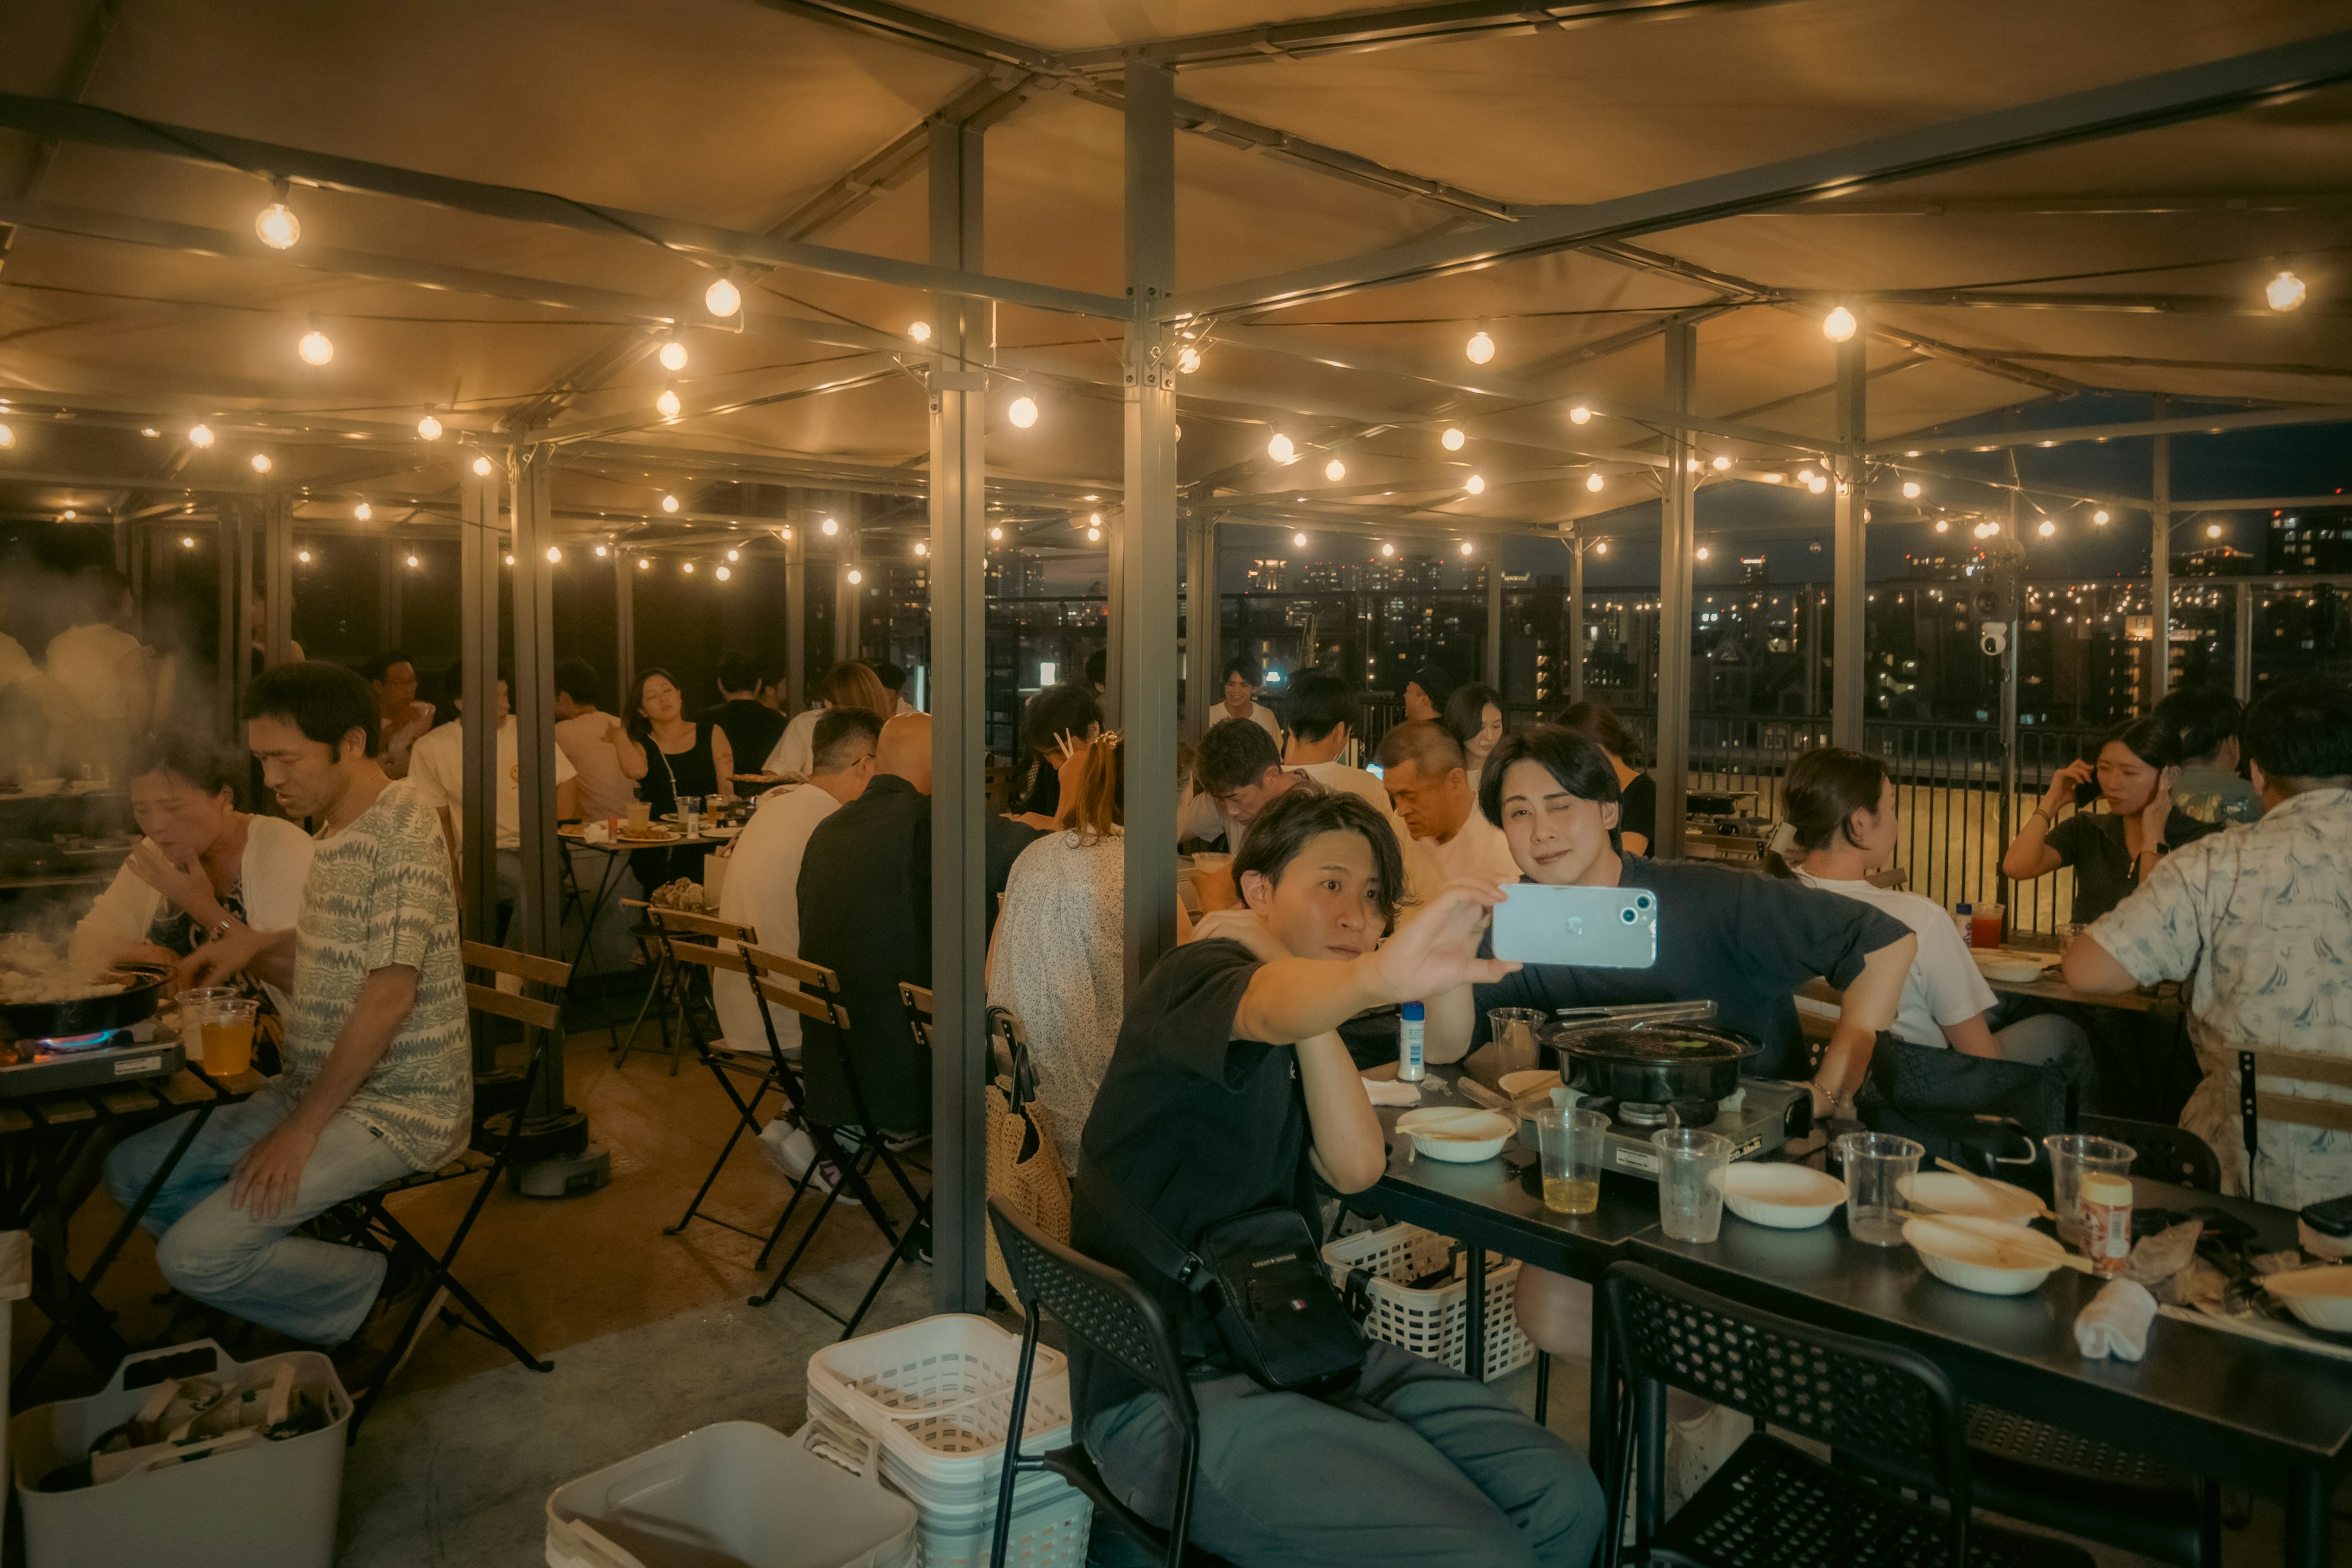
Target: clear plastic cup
pixel 1515 1031
pixel 641 812
pixel 1690 1204
pixel 1572 1144
pixel 2072 1156
pixel 1876 1165
pixel 228 1036
pixel 1985 924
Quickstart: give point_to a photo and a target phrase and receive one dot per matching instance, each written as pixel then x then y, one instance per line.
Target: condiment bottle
pixel 2106 1205
pixel 1408 1044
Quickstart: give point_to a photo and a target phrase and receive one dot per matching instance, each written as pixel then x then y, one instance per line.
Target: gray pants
pixel 2046 1038
pixel 1419 1465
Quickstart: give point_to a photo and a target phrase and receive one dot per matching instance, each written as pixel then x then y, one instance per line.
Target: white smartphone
pixel 1593 927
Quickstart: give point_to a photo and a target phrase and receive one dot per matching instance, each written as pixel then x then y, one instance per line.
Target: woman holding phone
pixel 2111 851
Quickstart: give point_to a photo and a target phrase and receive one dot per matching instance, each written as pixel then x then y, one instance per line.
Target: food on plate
pixel 32 971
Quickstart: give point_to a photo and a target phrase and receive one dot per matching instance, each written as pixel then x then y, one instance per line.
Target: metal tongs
pixel 1640 1013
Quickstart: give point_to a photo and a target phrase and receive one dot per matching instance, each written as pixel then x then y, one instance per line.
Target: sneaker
pixel 366 1361
pixel 790 1149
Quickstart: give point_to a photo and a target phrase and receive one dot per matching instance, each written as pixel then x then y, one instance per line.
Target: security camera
pixel 1992 636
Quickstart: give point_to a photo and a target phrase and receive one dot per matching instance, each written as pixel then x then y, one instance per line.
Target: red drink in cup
pixel 1984 924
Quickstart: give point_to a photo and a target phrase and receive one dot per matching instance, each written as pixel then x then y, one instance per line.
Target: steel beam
pixel 2190 425
pixel 625 630
pixel 960 334
pixel 2241 645
pixel 481 544
pixel 96 127
pixel 796 613
pixel 779 386
pixel 278 580
pixel 1385 28
pixel 1574 653
pixel 1492 665
pixel 847 596
pixel 1204 617
pixel 1850 557
pixel 1678 538
pixel 2170 98
pixel 1146 587
pixel 2159 564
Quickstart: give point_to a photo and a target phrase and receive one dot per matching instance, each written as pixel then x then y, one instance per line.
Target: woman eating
pixel 670 755
pixel 2112 850
pixel 1637 791
pixel 1228 1093
pixel 1474 716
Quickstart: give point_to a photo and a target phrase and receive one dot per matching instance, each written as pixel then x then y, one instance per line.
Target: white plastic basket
pixel 734 1491
pixel 1430 1323
pixel 1049 1532
pixel 939 1393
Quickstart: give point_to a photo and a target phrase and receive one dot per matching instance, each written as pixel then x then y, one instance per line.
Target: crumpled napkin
pixel 1389 1091
pixel 2116 1321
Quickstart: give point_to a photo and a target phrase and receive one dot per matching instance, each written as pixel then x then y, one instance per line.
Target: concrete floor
pixel 651 1335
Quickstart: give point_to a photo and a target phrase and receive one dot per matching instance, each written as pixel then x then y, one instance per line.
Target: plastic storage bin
pixel 1433 1323
pixel 267 1505
pixel 733 1492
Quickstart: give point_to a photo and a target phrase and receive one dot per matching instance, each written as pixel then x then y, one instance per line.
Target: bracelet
pixel 2040 812
pixel 219 930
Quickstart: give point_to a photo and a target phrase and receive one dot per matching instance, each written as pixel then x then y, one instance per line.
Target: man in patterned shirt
pixel 2259 919
pixel 378 1080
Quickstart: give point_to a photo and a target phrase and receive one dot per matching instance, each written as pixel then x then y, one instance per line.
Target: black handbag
pixel 1280 1316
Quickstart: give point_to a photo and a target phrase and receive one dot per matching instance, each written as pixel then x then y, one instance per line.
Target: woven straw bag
pixel 1025 1163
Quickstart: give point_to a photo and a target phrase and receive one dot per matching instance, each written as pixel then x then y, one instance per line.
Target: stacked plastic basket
pixel 938 1396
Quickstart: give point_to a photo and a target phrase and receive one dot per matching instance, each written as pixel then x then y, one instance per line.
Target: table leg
pixel 586 957
pixel 1600 1412
pixel 2310 1524
pixel 1474 1356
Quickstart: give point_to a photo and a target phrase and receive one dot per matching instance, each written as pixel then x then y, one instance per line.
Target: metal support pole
pixel 1573 656
pixel 2242 662
pixel 1493 672
pixel 241 547
pixel 387 592
pixel 625 630
pixel 1115 619
pixel 1678 539
pixel 481 542
pixel 1202 645
pixel 278 580
pixel 846 593
pixel 1850 569
pixel 796 610
pixel 2159 569
pixel 961 337
pixel 1145 589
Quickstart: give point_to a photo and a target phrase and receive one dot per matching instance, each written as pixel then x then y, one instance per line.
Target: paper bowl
pixel 1947 1192
pixel 1984 1254
pixel 1534 1081
pixel 2005 964
pixel 1456 1134
pixel 2320 1297
pixel 1786 1197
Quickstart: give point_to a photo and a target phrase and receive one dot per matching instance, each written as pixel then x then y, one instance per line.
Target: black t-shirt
pixel 1745 941
pixel 753 729
pixel 2093 843
pixel 1192 1126
pixel 1639 814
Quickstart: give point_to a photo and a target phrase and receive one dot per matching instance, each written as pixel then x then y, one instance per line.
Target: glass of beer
pixel 228 1036
pixel 1570 1142
pixel 640 813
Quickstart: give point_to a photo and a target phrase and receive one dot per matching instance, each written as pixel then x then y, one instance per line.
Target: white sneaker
pixel 790 1149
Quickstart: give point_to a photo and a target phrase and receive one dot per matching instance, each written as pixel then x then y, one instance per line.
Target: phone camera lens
pixel 1630 916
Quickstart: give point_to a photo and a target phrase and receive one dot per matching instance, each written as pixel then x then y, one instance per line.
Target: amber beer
pixel 227 1036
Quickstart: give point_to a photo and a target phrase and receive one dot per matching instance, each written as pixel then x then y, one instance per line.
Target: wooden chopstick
pixel 1959 1170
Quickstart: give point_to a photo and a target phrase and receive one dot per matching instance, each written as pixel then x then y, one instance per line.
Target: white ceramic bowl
pixel 1984 1254
pixel 2008 964
pixel 1948 1192
pixel 2320 1297
pixel 1457 1134
pixel 1786 1197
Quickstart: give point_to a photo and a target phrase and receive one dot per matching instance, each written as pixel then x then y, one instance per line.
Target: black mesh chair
pixel 2167 1153
pixel 1115 1316
pixel 1773 1502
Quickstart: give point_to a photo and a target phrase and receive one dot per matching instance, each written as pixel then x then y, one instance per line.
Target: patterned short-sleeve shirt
pixel 2259 920
pixel 378 895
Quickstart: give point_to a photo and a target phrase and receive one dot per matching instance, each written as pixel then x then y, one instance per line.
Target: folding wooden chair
pixel 2257 1104
pixel 673 982
pixel 369 1217
pixel 761 1064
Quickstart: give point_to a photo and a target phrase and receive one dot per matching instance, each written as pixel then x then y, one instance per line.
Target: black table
pixel 2215 1403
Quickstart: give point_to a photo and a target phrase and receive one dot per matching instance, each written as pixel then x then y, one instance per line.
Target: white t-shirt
pixel 1477 853
pixel 1259 714
pixel 1944 985
pixel 762 891
pixel 1339 778
pixel 270 878
pixel 87 662
pixel 604 790
pixel 437 766
pixel 795 752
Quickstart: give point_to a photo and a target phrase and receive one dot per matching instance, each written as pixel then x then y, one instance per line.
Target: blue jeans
pixel 310 1289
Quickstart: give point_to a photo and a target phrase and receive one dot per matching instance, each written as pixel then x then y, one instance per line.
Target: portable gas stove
pixel 88 1061
pixel 1764 1114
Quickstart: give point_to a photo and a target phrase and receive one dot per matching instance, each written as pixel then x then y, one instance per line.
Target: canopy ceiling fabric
pixel 741 114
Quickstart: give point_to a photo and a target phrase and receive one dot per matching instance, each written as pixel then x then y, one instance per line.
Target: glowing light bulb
pixel 1388 550
pixel 482 467
pixel 2047 528
pixel 1704 552
pixel 1593 482
pixel 277 226
pixel 2100 516
pixel 1279 448
pixel 1298 540
pixel 723 574
pixel 673 355
pixel 362 512
pixel 1601 548
pixel 1580 415
pixel 315 347
pixel 151 433
pixel 667 405
pixel 260 461
pixel 1475 484
pixel 1722 461
pixel 1022 412
pixel 919 331
pixel 1335 469
pixel 1466 547
pixel 1094 534
pixel 2212 531
pixel 829 528
pixel 602 551
pixel 1818 484
pixel 200 435
pixel 69 514
pixel 2284 292
pixel 1480 348
pixel 7 438
pixel 734 555
pixel 1910 490
pixel 1942 526
pixel 1804 476
pixel 554 554
pixel 644 564
pixel 412 561
pixel 1453 439
pixel 510 557
pixel 188 541
pixel 1838 325
pixel 430 428
pixel 922 547
pixel 996 536
pixel 669 503
pixel 1188 359
pixel 687 568
pixel 722 298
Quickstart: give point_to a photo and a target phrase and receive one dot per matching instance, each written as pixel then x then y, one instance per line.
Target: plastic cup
pixel 1690 1204
pixel 1876 1165
pixel 1213 880
pixel 2072 1156
pixel 1572 1144
pixel 228 1036
pixel 1514 1032
pixel 641 812
pixel 1985 924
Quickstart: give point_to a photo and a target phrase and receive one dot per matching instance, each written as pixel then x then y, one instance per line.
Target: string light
pixel 1094 533
pixel 1453 439
pixel 1838 325
pixel 2212 531
pixel 922 547
pixel 1188 359
pixel 482 467
pixel 1593 482
pixel 855 576
pixel 412 563
pixel 276 225
pixel 315 347
pixel 723 299
pixel 919 331
pixel 1942 526
pixel 673 355
pixel 151 433
pixel 644 564
pixel 7 438
pixel 734 555
pixel 669 503
pixel 200 435
pixel 1601 548
pixel 2100 516
pixel 1480 348
pixel 602 551
pixel 1475 484
pixel 2284 292
pixel 828 527
pixel 69 514
pixel 1722 461
pixel 430 428
pixel 510 557
pixel 1804 476
pixel 1704 552
pixel 687 567
pixel 996 536
pixel 1818 484
pixel 362 512
pixel 723 574
pixel 260 461
pixel 2047 529
pixel 188 541
pixel 1335 469
pixel 1298 540
pixel 1580 415
pixel 1388 550
pixel 1022 412
pixel 1466 547
pixel 1910 490
pixel 1279 448
pixel 667 405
